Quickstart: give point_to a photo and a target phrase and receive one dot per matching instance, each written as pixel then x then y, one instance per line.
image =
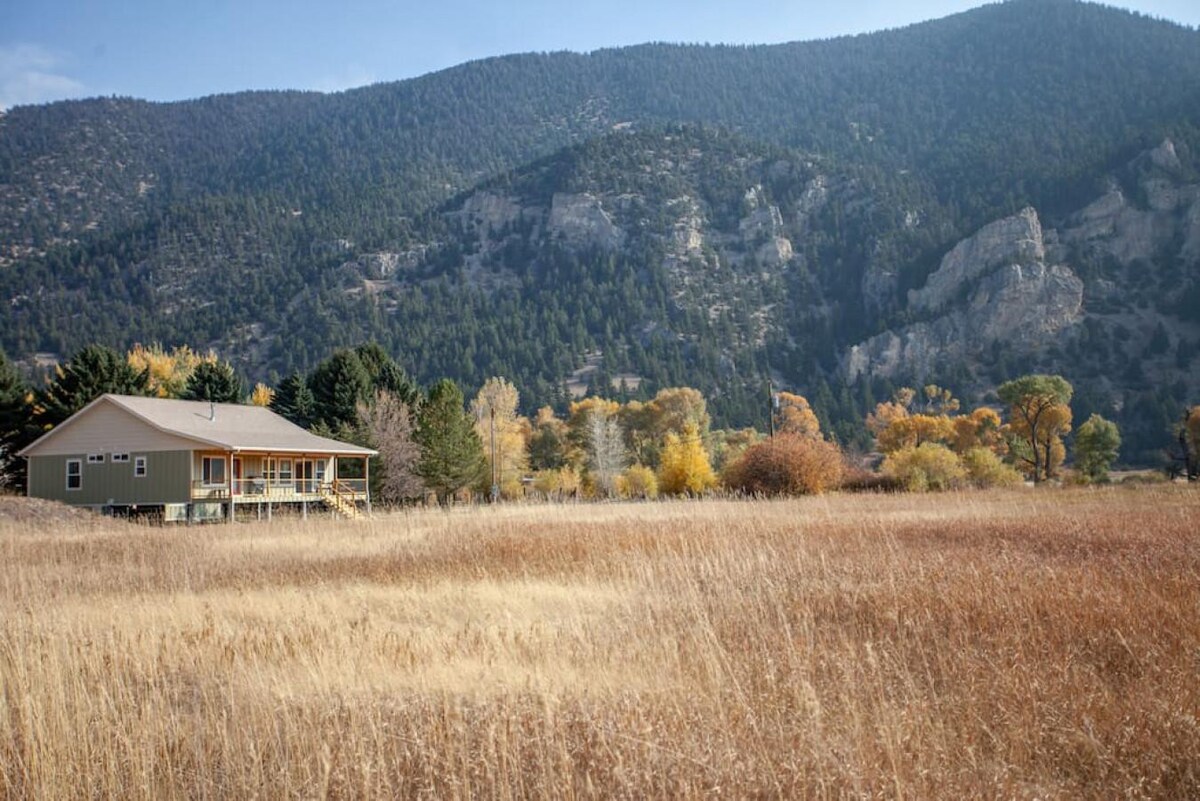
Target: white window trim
pixel 79 475
pixel 120 458
pixel 140 467
pixel 95 458
pixel 224 469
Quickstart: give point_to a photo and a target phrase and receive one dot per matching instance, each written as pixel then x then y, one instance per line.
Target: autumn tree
pixel 90 373
pixel 794 415
pixel 261 395
pixel 503 433
pixel 982 428
pixel 388 427
pixel 169 370
pixel 579 421
pixel 213 381
pixel 926 467
pixel 684 465
pixel 547 441
pixel 1097 443
pixel 788 464
pixel 451 451
pixel 1039 417
pixel 646 425
pixel 605 453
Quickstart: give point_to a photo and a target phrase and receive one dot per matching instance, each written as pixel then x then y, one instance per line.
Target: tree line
pixel 433 442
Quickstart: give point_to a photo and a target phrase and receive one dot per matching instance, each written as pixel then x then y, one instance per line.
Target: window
pixel 74 474
pixel 285 471
pixel 139 467
pixel 120 457
pixel 213 471
pixel 95 458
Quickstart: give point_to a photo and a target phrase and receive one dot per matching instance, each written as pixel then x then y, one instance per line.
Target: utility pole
pixel 495 475
pixel 772 404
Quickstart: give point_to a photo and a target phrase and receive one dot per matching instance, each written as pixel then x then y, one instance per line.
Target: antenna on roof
pixel 212 411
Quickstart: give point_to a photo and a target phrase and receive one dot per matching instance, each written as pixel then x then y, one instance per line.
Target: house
pixel 194 460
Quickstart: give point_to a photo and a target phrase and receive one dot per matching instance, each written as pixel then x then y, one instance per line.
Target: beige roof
pixel 225 426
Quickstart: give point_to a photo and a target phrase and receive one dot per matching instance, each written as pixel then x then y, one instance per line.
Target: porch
pixel 268 479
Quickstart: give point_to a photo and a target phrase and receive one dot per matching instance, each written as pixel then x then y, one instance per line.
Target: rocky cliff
pixel 994 286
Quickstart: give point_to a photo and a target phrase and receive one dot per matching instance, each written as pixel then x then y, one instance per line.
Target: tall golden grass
pixel 1019 645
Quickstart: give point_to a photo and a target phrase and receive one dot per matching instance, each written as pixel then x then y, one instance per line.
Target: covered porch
pixel 339 481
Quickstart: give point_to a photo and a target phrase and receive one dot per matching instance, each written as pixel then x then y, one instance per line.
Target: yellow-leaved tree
pixel 261 395
pixel 504 434
pixel 684 466
pixel 169 370
pixel 794 415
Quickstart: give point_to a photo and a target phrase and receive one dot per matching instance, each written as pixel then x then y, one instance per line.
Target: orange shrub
pixel 789 464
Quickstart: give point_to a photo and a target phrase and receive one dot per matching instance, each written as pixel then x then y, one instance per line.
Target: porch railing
pixel 282 489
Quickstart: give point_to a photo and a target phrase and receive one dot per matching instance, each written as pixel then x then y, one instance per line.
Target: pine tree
pixel 451 452
pixel 213 381
pixel 338 385
pixel 294 400
pixel 16 430
pixel 93 371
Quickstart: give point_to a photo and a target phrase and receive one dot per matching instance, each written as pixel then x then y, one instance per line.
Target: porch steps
pixel 340 505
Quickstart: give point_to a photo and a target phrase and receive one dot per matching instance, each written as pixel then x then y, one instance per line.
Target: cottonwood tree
pixel 1097 443
pixel 605 452
pixel 794 415
pixel 502 432
pixel 388 426
pixel 451 451
pixel 1039 417
pixel 90 373
pixel 169 370
pixel 685 467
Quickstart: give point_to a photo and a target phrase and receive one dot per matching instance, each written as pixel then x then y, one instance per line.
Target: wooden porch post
pixel 367 481
pixel 229 483
pixel 267 484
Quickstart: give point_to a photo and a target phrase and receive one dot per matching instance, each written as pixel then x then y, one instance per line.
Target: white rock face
pixel 992 287
pixel 580 220
pixel 1015 240
pixel 490 212
pixel 763 218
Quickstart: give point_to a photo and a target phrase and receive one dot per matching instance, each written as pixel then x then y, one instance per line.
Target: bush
pixel 985 469
pixel 789 464
pixel 927 467
pixel 638 481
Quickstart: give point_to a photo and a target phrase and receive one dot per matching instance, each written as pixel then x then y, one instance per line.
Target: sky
pixel 179 49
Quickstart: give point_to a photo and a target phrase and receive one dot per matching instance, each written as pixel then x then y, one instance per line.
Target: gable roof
pixel 223 426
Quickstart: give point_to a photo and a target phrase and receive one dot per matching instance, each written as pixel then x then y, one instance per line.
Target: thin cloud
pixel 30 73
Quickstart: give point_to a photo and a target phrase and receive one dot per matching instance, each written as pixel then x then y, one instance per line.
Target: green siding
pixel 167 479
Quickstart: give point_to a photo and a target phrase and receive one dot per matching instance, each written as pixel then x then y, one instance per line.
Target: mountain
pixel 670 214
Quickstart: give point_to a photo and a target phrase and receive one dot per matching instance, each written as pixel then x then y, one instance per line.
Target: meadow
pixel 1021 644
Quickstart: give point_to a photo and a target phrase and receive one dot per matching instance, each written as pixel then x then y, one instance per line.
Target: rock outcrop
pixel 580 220
pixel 1013 241
pixel 992 287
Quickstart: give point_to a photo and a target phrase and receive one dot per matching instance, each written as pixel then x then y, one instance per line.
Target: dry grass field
pixel 1016 645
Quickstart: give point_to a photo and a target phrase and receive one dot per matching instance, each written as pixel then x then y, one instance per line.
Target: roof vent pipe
pixel 212 411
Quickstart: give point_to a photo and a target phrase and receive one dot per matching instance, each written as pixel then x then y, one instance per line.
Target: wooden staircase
pixel 341 500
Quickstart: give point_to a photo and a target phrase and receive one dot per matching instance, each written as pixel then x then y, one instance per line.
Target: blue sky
pixel 176 49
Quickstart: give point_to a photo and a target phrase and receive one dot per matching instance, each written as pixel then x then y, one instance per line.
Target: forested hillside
pixel 697 215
